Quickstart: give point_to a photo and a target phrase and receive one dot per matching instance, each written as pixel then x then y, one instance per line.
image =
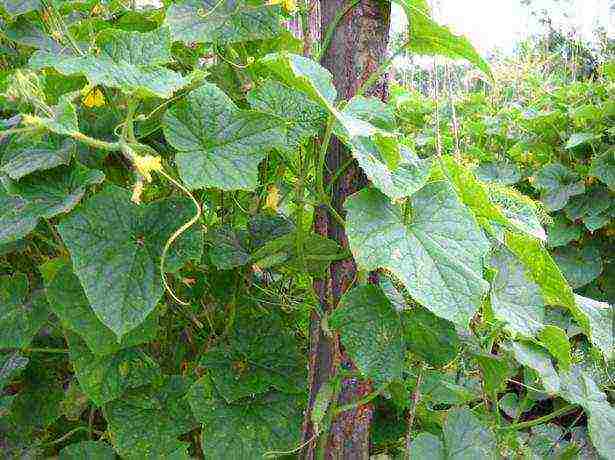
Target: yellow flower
pixel 273 198
pixel 146 164
pixel 290 6
pixel 94 98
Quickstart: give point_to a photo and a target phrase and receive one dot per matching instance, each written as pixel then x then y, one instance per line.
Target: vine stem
pixel 46 350
pixel 361 402
pixel 416 396
pixel 539 421
pixel 177 234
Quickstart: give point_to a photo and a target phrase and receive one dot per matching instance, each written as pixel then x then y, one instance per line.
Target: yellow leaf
pixel 94 98
pixel 273 198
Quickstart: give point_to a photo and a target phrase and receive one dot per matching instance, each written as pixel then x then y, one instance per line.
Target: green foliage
pixel 162 172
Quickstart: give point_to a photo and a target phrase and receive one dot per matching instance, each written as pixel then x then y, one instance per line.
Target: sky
pixel 501 23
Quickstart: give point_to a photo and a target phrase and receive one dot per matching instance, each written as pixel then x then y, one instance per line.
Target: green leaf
pixel 87 450
pixel 282 253
pixel 136 48
pixel 247 429
pixel 495 371
pixel 428 38
pixel 580 266
pixel 68 302
pixel 141 81
pixel 558 184
pixel 373 111
pixel 601 318
pixel 11 364
pixel 579 388
pixel 502 173
pixel 391 167
pixel 437 255
pixel 515 299
pixel 511 405
pixel 62 120
pixel 21 315
pixel 18 7
pixel 521 212
pixel 229 247
pixel 556 341
pixel 218 144
pixel 536 358
pixel 299 117
pixel 145 423
pixel 577 139
pixel 210 21
pixel 562 231
pixel 603 167
pixel 431 338
pixel 37 157
pixel 474 195
pixel 42 195
pixel 115 247
pixel 543 270
pixel 259 355
pixel 105 378
pixel 427 445
pixel 466 437
pixel 595 208
pixel 304 75
pixel 371 332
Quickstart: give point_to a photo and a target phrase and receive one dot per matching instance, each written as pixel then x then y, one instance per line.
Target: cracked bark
pixel 357 49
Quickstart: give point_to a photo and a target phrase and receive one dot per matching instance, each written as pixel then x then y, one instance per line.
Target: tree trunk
pixel 357 49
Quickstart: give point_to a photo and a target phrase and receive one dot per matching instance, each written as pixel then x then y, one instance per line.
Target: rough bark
pixel 357 49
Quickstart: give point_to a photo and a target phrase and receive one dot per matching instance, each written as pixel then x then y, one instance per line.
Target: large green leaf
pixel 536 358
pixel 42 195
pixel 300 117
pixel 258 356
pixel 596 208
pixel 426 37
pixel 579 388
pixel 139 80
pixel 515 299
pixel 558 184
pixel 561 232
pixel 218 144
pixel 68 302
pixel 580 266
pixel 542 270
pixel 105 378
pixel 603 167
pixel 145 423
pixel 248 428
pixel 37 157
pixel 136 48
pixel 503 173
pixel 431 338
pixel 427 445
pixel 21 314
pixel 18 7
pixel 392 168
pixel 437 255
pixel 304 75
pixel 465 438
pixel 87 450
pixel 115 247
pixel 211 21
pixel 371 332
pixel 601 318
